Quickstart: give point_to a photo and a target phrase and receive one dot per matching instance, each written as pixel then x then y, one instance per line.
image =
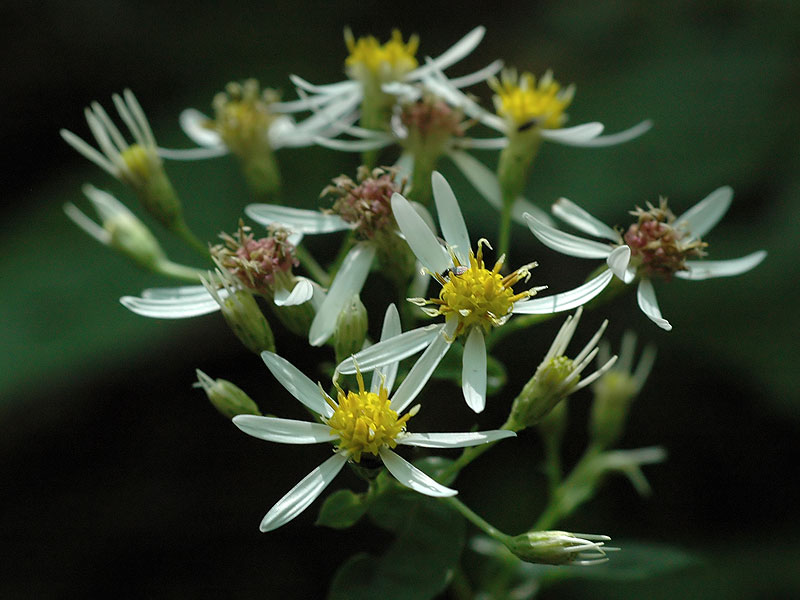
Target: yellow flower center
pixel 364 421
pixel 138 162
pixel 387 62
pixel 477 296
pixel 523 102
pixel 243 117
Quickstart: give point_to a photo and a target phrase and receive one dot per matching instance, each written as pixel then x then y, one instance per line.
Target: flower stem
pixel 178 271
pixel 311 265
pixel 476 520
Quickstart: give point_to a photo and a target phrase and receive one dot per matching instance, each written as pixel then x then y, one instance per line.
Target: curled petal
pixel 573 136
pixel 618 262
pixel 566 300
pixel 646 297
pixel 302 292
pixel 193 124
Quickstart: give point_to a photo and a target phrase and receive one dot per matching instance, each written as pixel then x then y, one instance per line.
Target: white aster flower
pixel 473 299
pixel 657 245
pixel 363 425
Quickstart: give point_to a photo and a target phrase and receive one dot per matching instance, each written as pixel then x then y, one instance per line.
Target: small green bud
pixel 245 318
pixel 351 329
pixel 543 391
pixel 226 397
pixel 559 548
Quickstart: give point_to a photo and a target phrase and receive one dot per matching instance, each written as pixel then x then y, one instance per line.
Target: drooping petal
pixel 193 124
pixel 580 219
pixel 478 76
pixel 566 300
pixel 379 141
pixel 618 262
pixel 302 292
pixel 347 282
pixel 303 494
pixel 330 89
pixel 453 440
pixel 451 220
pixel 296 383
pixel 172 308
pixel 296 219
pixel 615 138
pixel 706 269
pixel 391 328
pixel 411 477
pixel 566 243
pixel 573 136
pixel 646 297
pixel 452 55
pixel 284 431
pixel 175 293
pixel 392 350
pixel 424 367
pixel 698 220
pixel 419 236
pixel 473 370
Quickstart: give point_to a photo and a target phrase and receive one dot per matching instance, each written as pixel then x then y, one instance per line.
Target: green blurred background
pixel 119 479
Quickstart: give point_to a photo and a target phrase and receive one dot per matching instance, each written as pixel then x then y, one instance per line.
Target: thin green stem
pixel 185 234
pixel 504 234
pixel 177 271
pixel 476 520
pixel 311 265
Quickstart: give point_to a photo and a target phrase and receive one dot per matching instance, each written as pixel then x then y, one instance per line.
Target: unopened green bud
pixel 351 329
pixel 226 397
pixel 559 548
pixel 543 391
pixel 153 187
pixel 245 318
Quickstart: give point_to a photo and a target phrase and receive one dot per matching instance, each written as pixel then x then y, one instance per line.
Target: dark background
pixel 120 480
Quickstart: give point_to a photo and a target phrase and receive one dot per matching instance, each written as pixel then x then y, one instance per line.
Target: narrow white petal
pixel 614 138
pixel 354 145
pixel 296 383
pixel 329 89
pixel 698 220
pixel 296 219
pixel 441 86
pixel 391 328
pixel 419 236
pixel 303 494
pixel 392 350
pixel 566 300
pixel 411 477
pixel 176 293
pixel 192 153
pixel 301 293
pixel 348 281
pixel 284 431
pixel 423 369
pixel 452 55
pixel 580 219
pixel 478 76
pixel 566 243
pixel 618 262
pixel 484 143
pixel 451 220
pixel 473 373
pixel 405 165
pixel 453 440
pixel 706 269
pixel 328 115
pixel 573 136
pixel 302 104
pixel 85 223
pixel 89 152
pixel 193 124
pixel 646 296
pixel 175 308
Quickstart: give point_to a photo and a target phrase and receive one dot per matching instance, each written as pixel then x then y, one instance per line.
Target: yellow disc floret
pixel 520 100
pixel 364 421
pixel 243 116
pixel 387 62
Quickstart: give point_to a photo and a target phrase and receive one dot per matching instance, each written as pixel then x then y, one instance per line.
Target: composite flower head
pixel 363 425
pixel 657 246
pixel 473 297
pixel 524 102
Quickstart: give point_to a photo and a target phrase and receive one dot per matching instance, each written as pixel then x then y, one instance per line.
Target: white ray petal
pixel 284 431
pixel 484 143
pixel 473 370
pixel 348 281
pixel 395 349
pixel 192 153
pixel 89 152
pixel 618 262
pixel 354 145
pixel 478 76
pixel 329 89
pixel 706 269
pixel 301 104
pixel 419 236
pixel 386 374
pixel 411 477
pixel 451 220
pixel 302 292
pixel 453 440
pixel 646 297
pixel 698 220
pixel 573 136
pixel 451 56
pixel 405 165
pixel 296 219
pixel 423 369
pixel 85 223
pixel 440 86
pixel 303 494
pixel 192 122
pixel 566 243
pixel 171 308
pixel 615 138
pixel 296 383
pixel 176 293
pixel 566 300
pixel 573 214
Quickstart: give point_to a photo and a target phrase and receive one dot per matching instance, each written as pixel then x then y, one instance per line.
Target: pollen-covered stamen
pixel 256 262
pixel 366 203
pixel 519 99
pixel 477 296
pixel 657 246
pixel 242 116
pixel 386 62
pixel 364 421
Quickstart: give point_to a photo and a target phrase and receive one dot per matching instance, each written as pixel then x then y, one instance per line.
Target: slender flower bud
pixel 351 329
pixel 226 397
pixel 560 548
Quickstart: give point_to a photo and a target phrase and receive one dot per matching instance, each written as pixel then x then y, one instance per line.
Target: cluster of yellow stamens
pixel 526 104
pixel 388 62
pixel 364 421
pixel 475 295
pixel 242 116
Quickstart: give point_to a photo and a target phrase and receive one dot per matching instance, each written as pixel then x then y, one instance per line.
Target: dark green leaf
pixel 342 509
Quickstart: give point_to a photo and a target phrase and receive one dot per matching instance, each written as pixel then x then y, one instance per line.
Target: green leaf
pixel 342 509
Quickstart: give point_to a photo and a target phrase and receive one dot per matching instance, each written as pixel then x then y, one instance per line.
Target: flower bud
pixel 559 548
pixel 351 329
pixel 226 397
